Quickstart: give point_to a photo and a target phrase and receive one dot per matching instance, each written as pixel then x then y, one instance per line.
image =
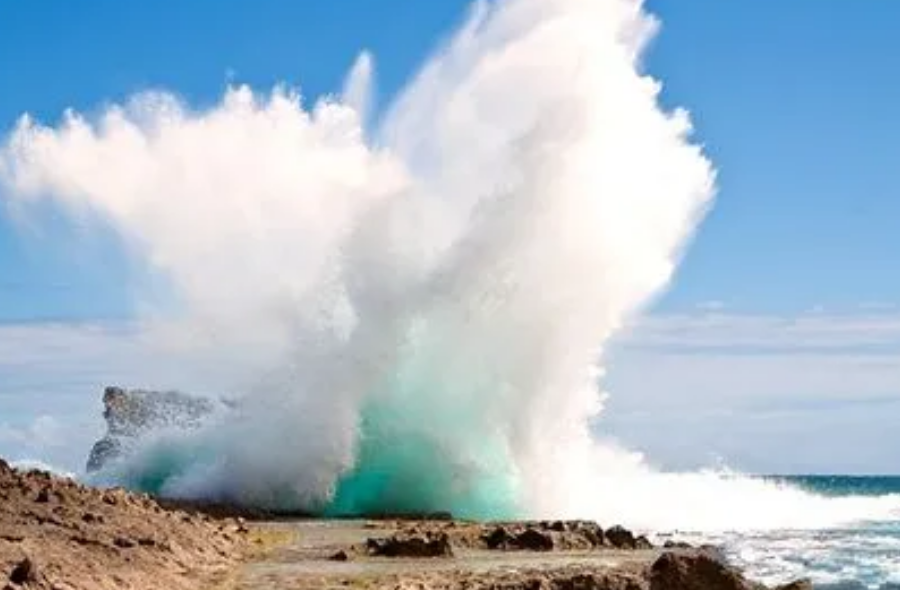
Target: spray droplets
pixel 416 318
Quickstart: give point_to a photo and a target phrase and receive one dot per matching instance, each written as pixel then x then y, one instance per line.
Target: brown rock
pixel 412 545
pixel 796 585
pixel 499 538
pixel 591 532
pixel 533 540
pixel 594 581
pixel 87 538
pixel 340 556
pixel 620 538
pixel 695 571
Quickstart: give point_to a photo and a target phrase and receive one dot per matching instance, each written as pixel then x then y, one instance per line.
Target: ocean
pixel 860 556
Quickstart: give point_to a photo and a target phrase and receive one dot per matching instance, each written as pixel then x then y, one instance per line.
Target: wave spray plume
pixel 417 308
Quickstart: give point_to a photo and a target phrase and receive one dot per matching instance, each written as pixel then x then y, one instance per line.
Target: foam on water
pixel 416 309
pixel 833 559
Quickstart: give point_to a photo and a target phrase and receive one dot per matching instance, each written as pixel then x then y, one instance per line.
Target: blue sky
pixel 794 101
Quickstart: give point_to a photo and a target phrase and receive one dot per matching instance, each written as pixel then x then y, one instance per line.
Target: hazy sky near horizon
pixel 777 349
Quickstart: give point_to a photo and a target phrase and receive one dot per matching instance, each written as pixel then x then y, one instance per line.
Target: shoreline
pixel 56 533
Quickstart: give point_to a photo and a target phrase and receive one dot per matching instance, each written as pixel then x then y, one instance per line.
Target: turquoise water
pixel 411 474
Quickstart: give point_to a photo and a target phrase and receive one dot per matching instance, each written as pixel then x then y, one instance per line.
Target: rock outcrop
pixel 132 413
pixel 565 549
pixel 702 569
pixel 695 571
pixel 55 533
pixel 526 535
pixel 428 544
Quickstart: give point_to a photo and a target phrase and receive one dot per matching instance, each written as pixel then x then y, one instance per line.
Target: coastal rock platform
pixel 454 555
pixel 57 534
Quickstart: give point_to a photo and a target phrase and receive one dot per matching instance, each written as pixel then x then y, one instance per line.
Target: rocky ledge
pixel 454 555
pixel 423 539
pixel 55 533
pixel 671 571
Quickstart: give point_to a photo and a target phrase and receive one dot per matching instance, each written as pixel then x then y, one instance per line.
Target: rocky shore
pixel 454 555
pixel 57 534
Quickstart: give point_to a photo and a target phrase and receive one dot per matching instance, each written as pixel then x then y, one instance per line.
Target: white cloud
pixel 52 376
pixel 688 333
pixel 763 392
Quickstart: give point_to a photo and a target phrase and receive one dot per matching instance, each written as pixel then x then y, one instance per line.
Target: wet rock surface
pixel 55 533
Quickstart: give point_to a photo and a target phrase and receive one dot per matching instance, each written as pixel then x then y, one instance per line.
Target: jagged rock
pixel 529 539
pixel 534 540
pixel 130 414
pixel 620 538
pixel 411 545
pixel 800 585
pixel 541 536
pixel 695 571
pixel 499 538
pixel 590 531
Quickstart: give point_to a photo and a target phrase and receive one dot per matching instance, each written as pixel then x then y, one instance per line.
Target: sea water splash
pixel 415 308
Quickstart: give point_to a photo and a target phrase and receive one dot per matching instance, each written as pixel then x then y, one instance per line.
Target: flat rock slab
pixel 308 562
pixel 339 554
